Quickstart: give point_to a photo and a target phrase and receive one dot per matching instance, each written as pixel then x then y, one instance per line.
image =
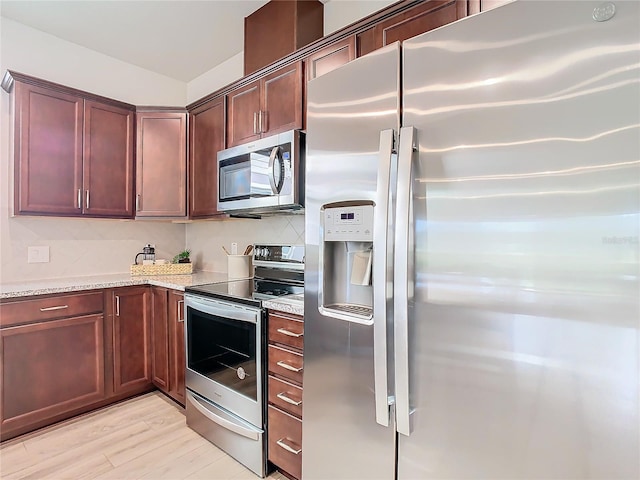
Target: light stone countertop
pixel 289 304
pixel 74 284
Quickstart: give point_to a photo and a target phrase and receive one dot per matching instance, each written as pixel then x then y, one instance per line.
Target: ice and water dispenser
pixel 346 256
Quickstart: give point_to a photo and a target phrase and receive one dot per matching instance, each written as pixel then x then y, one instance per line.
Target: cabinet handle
pixel 137 202
pixel 288 367
pixel 49 309
pixel 262 129
pixel 87 200
pixel 284 398
pixel 117 305
pixel 255 123
pixel 79 198
pixel 180 310
pixel 287 447
pixel 289 333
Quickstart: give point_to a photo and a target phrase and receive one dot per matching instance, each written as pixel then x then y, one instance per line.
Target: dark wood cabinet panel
pixel 206 139
pixel 48 151
pixel 414 21
pixel 49 368
pixel 161 164
pixel 22 311
pixel 177 346
pixel 284 391
pixel 285 395
pixel 278 29
pixel 108 160
pixel 131 339
pixel 330 57
pixel 243 112
pixel 73 153
pixel 282 100
pixel 160 339
pixel 287 330
pixel 270 105
pixel 285 441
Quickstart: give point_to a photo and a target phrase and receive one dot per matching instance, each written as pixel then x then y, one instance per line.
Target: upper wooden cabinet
pixel 269 105
pixel 206 139
pixel 108 160
pixel 73 156
pixel 423 17
pixel 330 57
pixel 161 164
pixel 279 28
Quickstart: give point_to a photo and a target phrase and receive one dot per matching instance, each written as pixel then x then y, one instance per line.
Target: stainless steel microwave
pixel 264 176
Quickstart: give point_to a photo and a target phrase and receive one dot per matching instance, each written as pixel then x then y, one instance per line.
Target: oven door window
pixel 223 350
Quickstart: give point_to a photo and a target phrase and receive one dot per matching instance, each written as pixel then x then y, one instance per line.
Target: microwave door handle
pixel 272 176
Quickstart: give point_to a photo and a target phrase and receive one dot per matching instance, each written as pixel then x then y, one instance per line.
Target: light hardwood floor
pixel 143 438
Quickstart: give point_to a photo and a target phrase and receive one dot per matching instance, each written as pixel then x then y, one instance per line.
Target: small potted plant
pixel 182 257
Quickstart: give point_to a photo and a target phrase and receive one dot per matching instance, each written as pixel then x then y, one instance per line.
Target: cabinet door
pixel 131 339
pixel 419 19
pixel 161 164
pixel 48 151
pixel 108 160
pixel 282 100
pixel 177 348
pixel 160 339
pixel 330 57
pixel 243 110
pixel 206 139
pixel 50 368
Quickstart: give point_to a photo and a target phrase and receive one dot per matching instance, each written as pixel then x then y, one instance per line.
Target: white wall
pixel 77 246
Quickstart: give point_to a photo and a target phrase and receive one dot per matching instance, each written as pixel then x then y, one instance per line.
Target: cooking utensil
pixel 247 251
pixel 225 250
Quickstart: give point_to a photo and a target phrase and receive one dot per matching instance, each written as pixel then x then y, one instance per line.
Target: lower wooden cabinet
pixel 168 352
pixel 284 416
pixel 49 368
pixel 177 359
pixel 131 339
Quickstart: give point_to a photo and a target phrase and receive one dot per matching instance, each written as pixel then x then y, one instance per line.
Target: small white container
pixel 239 266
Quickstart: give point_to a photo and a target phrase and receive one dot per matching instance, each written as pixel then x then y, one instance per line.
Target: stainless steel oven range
pixel 225 334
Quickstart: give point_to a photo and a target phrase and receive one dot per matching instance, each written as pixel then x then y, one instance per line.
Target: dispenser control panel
pixel 351 224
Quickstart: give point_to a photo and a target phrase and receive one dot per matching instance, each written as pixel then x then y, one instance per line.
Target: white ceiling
pixel 181 39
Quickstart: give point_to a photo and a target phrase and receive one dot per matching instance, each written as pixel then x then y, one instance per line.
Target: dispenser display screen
pixel 349 223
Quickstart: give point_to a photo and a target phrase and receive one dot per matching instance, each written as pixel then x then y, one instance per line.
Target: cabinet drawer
pixel 286 330
pixel 285 441
pixel 285 363
pixel 286 396
pixel 59 306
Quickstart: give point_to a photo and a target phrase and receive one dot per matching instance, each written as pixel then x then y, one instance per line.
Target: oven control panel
pixel 282 256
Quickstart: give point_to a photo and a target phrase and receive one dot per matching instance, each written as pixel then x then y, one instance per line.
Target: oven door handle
pixel 224 310
pixel 253 434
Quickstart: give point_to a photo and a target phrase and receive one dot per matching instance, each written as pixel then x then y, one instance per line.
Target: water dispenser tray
pixel 351 309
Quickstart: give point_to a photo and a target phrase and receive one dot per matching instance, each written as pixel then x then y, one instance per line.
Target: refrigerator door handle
pixel 401 279
pixel 380 268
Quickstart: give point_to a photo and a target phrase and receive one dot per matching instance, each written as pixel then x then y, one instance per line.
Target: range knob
pixel 265 252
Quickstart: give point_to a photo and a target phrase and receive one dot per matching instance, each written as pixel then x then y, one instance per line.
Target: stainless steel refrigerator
pixel 472 224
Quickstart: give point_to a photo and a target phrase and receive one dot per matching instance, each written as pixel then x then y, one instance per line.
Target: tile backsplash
pixel 206 238
pixel 80 247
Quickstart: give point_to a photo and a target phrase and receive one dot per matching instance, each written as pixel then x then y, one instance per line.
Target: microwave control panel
pixel 348 224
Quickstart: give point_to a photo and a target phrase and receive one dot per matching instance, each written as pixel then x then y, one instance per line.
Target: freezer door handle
pixel 381 286
pixel 401 278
